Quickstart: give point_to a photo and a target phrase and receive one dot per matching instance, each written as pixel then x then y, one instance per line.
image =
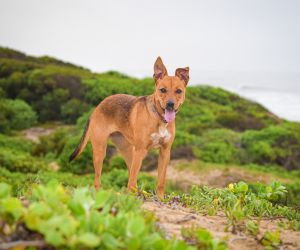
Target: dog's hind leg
pixel 124 147
pixel 98 139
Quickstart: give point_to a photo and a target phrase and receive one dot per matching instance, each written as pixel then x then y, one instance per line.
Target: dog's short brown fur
pixel 137 124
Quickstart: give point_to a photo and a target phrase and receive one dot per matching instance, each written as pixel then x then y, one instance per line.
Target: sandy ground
pixel 34 133
pixel 172 218
pixel 216 177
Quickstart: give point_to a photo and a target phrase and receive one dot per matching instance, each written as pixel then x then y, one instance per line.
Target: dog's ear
pixel 159 69
pixel 183 74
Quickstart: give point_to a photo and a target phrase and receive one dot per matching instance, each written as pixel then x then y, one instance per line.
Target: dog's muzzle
pixel 170 105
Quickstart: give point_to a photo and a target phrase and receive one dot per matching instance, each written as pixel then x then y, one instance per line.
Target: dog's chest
pixel 160 137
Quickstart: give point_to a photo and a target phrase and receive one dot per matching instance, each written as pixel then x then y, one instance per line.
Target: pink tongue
pixel 169 115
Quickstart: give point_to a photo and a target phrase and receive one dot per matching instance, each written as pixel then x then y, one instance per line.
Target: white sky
pixel 127 35
pixel 248 46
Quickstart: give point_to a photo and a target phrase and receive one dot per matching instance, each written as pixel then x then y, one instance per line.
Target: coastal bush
pixel 9 66
pixel 185 139
pixel 216 95
pixel 239 121
pixel 82 120
pixel 53 143
pixel 219 146
pixel 81 165
pixel 276 145
pixel 293 198
pixel 117 162
pixel 20 161
pixel 84 163
pixel 15 143
pixel 15 115
pixel 43 84
pixel 111 83
pixel 72 110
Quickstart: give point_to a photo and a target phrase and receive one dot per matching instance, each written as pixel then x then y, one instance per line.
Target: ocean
pixel 278 92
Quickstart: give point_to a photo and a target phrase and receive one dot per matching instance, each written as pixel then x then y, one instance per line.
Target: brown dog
pixel 137 124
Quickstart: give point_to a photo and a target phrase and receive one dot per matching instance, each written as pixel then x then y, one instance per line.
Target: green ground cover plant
pixel 241 201
pixel 82 219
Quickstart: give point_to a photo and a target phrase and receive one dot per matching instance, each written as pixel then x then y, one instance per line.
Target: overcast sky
pixel 211 35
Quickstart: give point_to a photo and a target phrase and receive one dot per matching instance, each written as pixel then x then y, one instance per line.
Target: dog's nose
pixel 170 104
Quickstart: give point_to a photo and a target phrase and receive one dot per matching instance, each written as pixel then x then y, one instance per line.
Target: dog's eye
pixel 163 90
pixel 178 91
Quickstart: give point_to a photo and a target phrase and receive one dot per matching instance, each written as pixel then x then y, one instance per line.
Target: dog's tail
pixel 82 144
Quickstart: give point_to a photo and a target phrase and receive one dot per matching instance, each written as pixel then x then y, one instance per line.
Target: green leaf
pixel 242 187
pixel 101 198
pixel 135 226
pixel 89 239
pixel 40 209
pixel 32 221
pixel 269 189
pixel 110 242
pixel 5 190
pixel 54 238
pixel 13 207
pixel 81 201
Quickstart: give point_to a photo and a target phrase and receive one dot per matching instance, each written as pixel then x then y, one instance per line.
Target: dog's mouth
pixel 169 114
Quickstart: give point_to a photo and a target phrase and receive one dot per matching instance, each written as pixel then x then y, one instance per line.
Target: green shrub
pixel 15 115
pixel 82 164
pixel 117 162
pixel 53 143
pixel 73 109
pixel 54 99
pixel 46 84
pixel 216 95
pixel 111 83
pixel 15 143
pixel 10 66
pixel 239 121
pixel 14 84
pixel 219 146
pixel 185 139
pixel 273 145
pixel 82 120
pixel 293 193
pixel 20 161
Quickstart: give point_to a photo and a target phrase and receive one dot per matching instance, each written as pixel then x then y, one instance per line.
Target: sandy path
pixel 172 218
pixel 215 177
pixel 34 133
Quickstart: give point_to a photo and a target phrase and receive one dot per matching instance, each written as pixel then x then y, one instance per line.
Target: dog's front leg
pixel 137 159
pixel 163 161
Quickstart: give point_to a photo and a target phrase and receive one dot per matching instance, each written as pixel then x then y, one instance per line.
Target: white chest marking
pixel 162 136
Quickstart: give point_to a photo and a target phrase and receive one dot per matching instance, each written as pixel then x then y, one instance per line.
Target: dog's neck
pixel 156 108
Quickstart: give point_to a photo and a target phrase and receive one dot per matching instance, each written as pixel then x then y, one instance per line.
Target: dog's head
pixel 169 90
